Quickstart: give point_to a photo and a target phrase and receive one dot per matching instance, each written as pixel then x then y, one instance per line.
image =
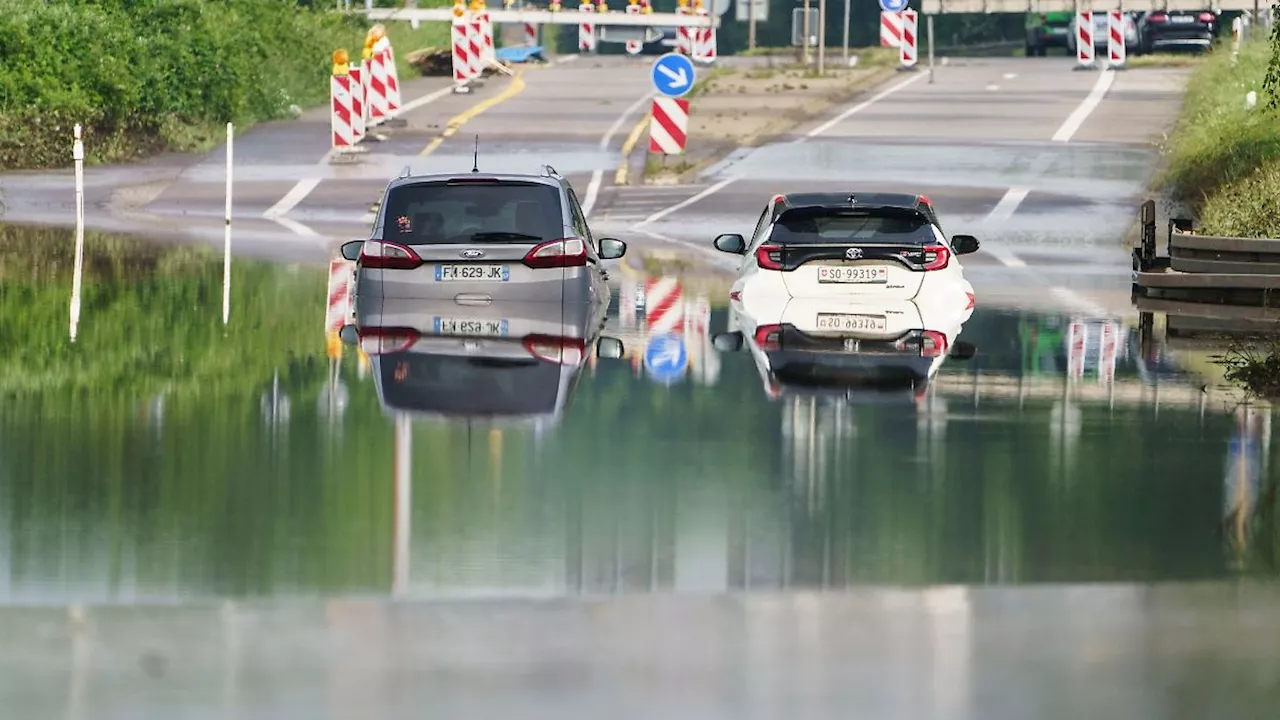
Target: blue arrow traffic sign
pixel 673 74
pixel 665 358
pixel 893 5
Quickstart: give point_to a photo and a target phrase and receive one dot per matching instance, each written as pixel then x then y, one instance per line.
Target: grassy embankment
pixel 148 76
pixel 1223 159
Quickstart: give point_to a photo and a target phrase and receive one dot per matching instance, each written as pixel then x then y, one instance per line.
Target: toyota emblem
pixel 472 254
pixel 853 253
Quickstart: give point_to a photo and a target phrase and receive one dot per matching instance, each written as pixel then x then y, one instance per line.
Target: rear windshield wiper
pixel 504 236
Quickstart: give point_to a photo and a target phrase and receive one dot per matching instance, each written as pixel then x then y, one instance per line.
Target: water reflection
pixel 163 457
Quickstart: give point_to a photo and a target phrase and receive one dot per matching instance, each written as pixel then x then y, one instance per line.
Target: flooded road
pixel 228 508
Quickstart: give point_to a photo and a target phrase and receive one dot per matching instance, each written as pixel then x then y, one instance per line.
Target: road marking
pixel 617 124
pixel 1086 107
pixel 993 87
pixel 859 107
pixel 425 99
pixel 593 189
pixel 455 123
pixel 292 198
pixel 1008 204
pixel 685 203
pixel 297 227
pixel 620 177
pixel 1010 76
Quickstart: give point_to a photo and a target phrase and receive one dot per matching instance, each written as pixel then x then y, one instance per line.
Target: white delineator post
pixel 1084 40
pixel 77 273
pixel 1115 39
pixel 908 54
pixel 586 29
pixel 461 54
pixel 226 236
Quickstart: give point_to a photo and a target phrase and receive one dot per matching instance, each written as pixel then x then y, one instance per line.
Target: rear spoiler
pixel 817 211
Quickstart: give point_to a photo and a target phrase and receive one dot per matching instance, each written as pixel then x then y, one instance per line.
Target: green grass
pixel 1222 157
pixel 1159 60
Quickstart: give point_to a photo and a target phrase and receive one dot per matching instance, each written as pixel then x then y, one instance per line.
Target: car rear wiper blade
pixel 504 236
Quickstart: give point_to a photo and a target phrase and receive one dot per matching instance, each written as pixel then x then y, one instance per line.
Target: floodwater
pixel 1080 496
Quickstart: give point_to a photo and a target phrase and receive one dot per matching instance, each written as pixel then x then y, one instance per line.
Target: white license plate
pixel 473 328
pixel 1182 19
pixel 473 273
pixel 851 323
pixel 853 274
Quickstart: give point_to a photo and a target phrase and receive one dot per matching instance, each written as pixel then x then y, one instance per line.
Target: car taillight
pixel 936 257
pixel 1158 18
pixel 387 340
pixel 565 252
pixel 388 256
pixel 769 337
pixel 769 257
pixel 933 344
pixel 555 349
pixel 924 200
pixel 1206 17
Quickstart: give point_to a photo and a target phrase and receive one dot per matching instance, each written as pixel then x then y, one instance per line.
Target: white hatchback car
pixel 857 246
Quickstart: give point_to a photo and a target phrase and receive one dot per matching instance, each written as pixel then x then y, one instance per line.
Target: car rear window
pixel 441 213
pixel 879 226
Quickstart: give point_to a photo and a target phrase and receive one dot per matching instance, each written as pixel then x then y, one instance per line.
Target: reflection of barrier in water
pixel 226 238
pixel 77 153
pixel 275 404
pixel 403 503
pixel 1247 452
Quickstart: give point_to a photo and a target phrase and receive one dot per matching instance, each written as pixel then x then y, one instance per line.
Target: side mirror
pixel 732 243
pixel 727 342
pixel 964 244
pixel 963 350
pixel 351 250
pixel 349 335
pixel 612 249
pixel 609 348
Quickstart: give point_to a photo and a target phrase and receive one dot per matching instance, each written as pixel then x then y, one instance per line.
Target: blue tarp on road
pixel 520 54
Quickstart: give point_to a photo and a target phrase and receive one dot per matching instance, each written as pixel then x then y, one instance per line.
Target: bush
pixel 150 75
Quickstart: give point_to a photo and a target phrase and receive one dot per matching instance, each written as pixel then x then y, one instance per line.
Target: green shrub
pixel 150 75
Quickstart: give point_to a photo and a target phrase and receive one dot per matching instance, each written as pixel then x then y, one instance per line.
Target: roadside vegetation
pixel 146 76
pixel 1224 157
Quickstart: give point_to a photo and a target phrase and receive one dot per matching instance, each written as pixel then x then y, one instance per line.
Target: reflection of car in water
pixel 851 347
pixel 514 361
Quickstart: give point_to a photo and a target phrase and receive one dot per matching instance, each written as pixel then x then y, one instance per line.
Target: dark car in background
pixel 1163 30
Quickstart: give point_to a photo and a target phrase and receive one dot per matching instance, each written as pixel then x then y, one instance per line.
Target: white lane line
pixel 617 124
pixel 686 202
pixel 425 99
pixel 992 87
pixel 297 227
pixel 292 198
pixel 1086 107
pixel 1008 204
pixel 593 189
pixel 859 107
pixel 1010 76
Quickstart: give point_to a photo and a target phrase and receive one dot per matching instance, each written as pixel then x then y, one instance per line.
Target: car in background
pixel 851 348
pixel 505 363
pixel 1046 30
pixel 663 45
pixel 1102 31
pixel 856 245
pixel 1162 30
pixel 485 237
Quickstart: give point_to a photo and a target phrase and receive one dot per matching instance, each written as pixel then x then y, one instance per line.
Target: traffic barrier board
pixel 665 358
pixel 673 75
pixel 668 126
pixel 890 29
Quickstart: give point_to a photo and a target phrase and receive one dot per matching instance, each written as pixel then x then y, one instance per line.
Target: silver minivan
pixel 479 238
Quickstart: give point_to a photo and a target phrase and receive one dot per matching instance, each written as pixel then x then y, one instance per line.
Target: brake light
pixel 924 199
pixel 933 344
pixel 1158 18
pixel 936 257
pixel 472 181
pixel 565 252
pixel 382 255
pixel 555 349
pixel 387 340
pixel 777 199
pixel 769 257
pixel 769 337
pixel 1206 17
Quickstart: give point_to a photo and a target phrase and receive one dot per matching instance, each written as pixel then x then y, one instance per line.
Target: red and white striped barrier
pixel 684 35
pixel 358 111
pixel 908 54
pixel 1108 351
pixel 704 46
pixel 1084 39
pixel 634 46
pixel 586 30
pixel 663 306
pixel 1077 344
pixel 339 308
pixel 1115 39
pixel 344 137
pixel 487 54
pixel 890 29
pixel 393 79
pixel 668 125
pixel 475 43
pixel 530 34
pixel 378 98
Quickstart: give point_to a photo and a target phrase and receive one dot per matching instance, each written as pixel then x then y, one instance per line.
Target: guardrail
pixel 1239 270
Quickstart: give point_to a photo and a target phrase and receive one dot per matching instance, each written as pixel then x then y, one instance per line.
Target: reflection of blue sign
pixel 893 5
pixel 673 74
pixel 665 358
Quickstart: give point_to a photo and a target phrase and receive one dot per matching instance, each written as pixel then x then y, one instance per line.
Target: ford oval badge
pixel 472 254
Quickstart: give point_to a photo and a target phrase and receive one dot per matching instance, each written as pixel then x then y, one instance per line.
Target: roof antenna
pixel 475 158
